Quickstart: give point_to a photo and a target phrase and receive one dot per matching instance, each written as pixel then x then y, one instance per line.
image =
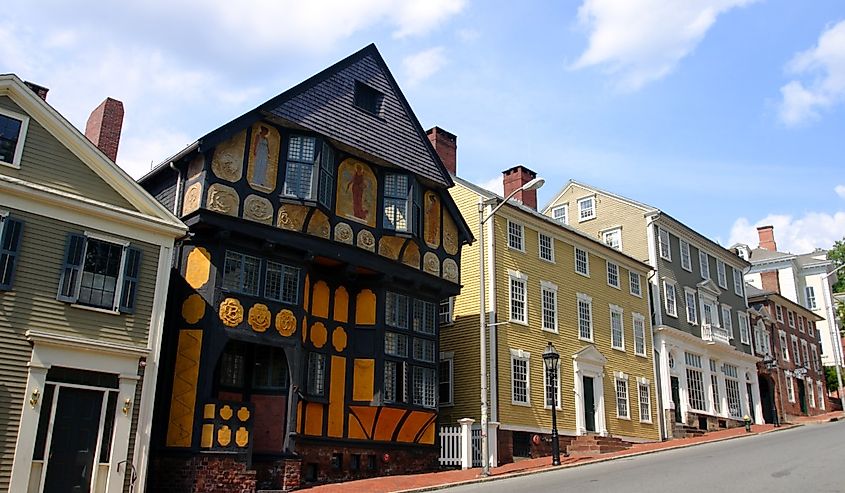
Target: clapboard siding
pixel 46 161
pixel 32 304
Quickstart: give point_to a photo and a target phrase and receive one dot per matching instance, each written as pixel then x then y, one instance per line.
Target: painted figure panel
pixel 356 192
pixel 263 157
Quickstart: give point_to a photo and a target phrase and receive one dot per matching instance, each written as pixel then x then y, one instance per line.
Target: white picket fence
pixel 451 447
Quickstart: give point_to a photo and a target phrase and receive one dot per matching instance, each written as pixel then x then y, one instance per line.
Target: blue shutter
pixel 10 244
pixel 131 272
pixel 72 269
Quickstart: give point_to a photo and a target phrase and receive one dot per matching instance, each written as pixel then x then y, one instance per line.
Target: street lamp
pixel 485 444
pixel 771 364
pixel 551 359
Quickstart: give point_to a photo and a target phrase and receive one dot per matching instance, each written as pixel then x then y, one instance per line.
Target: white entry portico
pixel 588 365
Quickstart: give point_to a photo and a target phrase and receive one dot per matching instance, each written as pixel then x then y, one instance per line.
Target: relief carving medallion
pixel 450 270
pixel 431 263
pixel 258 209
pixel 450 235
pixel 192 198
pixel 366 240
pixel 223 199
pixel 291 217
pixel 259 317
pixel 228 161
pixel 231 312
pixel 285 323
pixel 390 246
pixel 343 233
pixel 411 255
pixel 319 225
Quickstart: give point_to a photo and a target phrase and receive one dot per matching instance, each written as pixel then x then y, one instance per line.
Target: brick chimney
pixel 767 238
pixel 770 281
pixel 516 177
pixel 446 145
pixel 41 91
pixel 104 126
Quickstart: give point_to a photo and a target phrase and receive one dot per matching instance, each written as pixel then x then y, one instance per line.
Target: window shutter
pixel 72 269
pixel 10 244
pixel 416 217
pixel 326 177
pixel 131 272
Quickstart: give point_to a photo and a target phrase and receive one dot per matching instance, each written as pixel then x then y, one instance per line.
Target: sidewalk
pixel 437 480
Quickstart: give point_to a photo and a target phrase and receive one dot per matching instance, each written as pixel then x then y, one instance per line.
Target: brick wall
pixel 200 474
pixel 320 466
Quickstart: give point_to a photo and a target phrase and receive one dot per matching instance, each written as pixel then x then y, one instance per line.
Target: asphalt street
pixel 806 459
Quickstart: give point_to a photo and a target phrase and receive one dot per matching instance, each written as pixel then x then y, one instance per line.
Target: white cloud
pixel 840 190
pixel 793 234
pixel 824 66
pixel 422 65
pixel 495 185
pixel 417 17
pixel 640 41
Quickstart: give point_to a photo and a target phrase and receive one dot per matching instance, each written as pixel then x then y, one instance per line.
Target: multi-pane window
pixel 585 317
pixel 12 130
pixel 810 295
pixel 744 330
pixel 516 236
pixel 645 402
pixel 801 324
pixel 810 327
pixel 695 382
pixel 622 410
pixel 518 305
pixel 424 317
pixel 737 281
pixel 281 282
pixel 790 389
pixel 445 310
pixel 670 299
pixel 232 366
pixel 805 352
pixel 552 387
pixel 732 393
pixel 795 351
pixel 784 347
pixel 396 344
pixel 241 273
pixel 425 381
pixel 779 313
pixel 617 332
pixel 721 274
pixel 714 388
pixel 612 274
pixel 302 152
pixel 561 213
pixel 394 381
pixel 791 316
pixel 270 371
pixel 397 194
pixel 816 363
pixel 704 264
pixel 582 262
pixel 548 293
pixel 665 247
pixel 547 247
pixel 613 238
pixel 397 310
pixel 519 379
pixel 686 262
pixel 424 350
pixel 811 395
pixel 639 334
pixel 692 310
pixel 634 282
pixel 316 374
pixel 445 375
pixel 10 242
pixel 820 394
pixel 99 273
pixel 586 208
pixel 727 321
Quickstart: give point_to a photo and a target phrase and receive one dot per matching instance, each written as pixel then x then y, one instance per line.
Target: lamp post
pixel 551 360
pixel 835 341
pixel 771 364
pixel 482 218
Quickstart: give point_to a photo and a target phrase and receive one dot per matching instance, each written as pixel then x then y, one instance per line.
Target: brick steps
pixel 684 431
pixel 595 445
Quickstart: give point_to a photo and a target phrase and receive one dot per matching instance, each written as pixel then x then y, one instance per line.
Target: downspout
pixel 491 323
pixel 656 320
pixel 178 189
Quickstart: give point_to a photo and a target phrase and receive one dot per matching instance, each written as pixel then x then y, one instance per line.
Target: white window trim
pixel 582 200
pixel 779 313
pixel 118 293
pixel 16 159
pixel 451 320
pixel 790 385
pixel 637 317
pixel 667 282
pixel 565 208
pixel 744 328
pixel 551 247
pixel 685 248
pixel 631 275
pixel 520 277
pixel 704 264
pixel 784 343
pixel 644 382
pixel 618 310
pixel 619 376
pixel 609 231
pixel 727 319
pixel 791 319
pixel 589 300
pixel 738 281
pixel 558 404
pixel 548 286
pixel 450 357
pixel 618 284
pixel 689 291
pixel 660 233
pixel 575 261
pixel 519 354
pixel 721 275
pixel 521 235
pixel 807 297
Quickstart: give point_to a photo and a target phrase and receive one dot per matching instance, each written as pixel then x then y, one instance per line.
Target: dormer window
pixel 367 98
pixel 12 131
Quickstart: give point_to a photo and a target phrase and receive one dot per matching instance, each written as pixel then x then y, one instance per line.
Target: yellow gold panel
pixel 319 334
pixel 193 308
pixel 198 267
pixel 337 390
pixel 263 157
pixel 241 437
pixel 356 431
pixel 364 417
pixel 431 203
pixel 319 225
pixel 320 300
pixel 427 436
pixel 304 328
pixel 299 417
pixel 207 439
pixel 339 339
pixel 291 217
pixel 228 160
pixel 450 235
pixel 259 317
pixel 224 436
pixel 357 191
pixel 388 419
pixel 243 414
pixel 390 246
pixel 226 412
pixel 306 293
pixel 365 308
pixel 413 425
pixel 362 389
pixel 183 399
pixel 314 419
pixel 285 323
pixel 208 411
pixel 231 312
pixel 341 305
pixel 411 256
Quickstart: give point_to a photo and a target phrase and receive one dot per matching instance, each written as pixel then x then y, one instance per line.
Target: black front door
pixel 802 395
pixel 767 399
pixel 74 441
pixel 676 398
pixel 589 405
pixel 750 402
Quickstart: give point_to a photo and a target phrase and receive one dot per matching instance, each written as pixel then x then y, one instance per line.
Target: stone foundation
pixel 200 474
pixel 329 463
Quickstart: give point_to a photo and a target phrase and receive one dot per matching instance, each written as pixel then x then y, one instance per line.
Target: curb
pixel 550 468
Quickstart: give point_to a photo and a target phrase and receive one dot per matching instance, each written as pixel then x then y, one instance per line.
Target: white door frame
pixel 589 362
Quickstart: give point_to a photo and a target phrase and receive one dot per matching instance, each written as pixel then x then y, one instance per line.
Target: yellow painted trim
pixel 183 399
pixel 337 391
pixel 362 388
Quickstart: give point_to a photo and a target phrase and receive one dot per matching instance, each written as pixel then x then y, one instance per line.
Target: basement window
pixel 367 98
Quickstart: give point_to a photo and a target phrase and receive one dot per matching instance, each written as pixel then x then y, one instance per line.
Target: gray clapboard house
pixel 85 259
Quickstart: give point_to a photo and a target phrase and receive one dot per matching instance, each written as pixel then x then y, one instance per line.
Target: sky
pixel 726 114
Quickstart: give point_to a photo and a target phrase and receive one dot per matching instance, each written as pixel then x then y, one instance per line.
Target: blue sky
pixel 725 113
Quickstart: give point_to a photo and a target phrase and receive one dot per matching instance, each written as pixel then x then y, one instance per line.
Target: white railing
pixel 714 333
pixel 450 446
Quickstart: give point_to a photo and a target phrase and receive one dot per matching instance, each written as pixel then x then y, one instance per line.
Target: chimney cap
pixel 763 228
pixel 516 168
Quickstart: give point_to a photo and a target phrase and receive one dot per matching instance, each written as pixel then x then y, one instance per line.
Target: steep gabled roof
pixel 570 183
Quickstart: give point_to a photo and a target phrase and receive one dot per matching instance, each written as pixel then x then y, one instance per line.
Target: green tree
pixel 837 254
pixel 830 378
